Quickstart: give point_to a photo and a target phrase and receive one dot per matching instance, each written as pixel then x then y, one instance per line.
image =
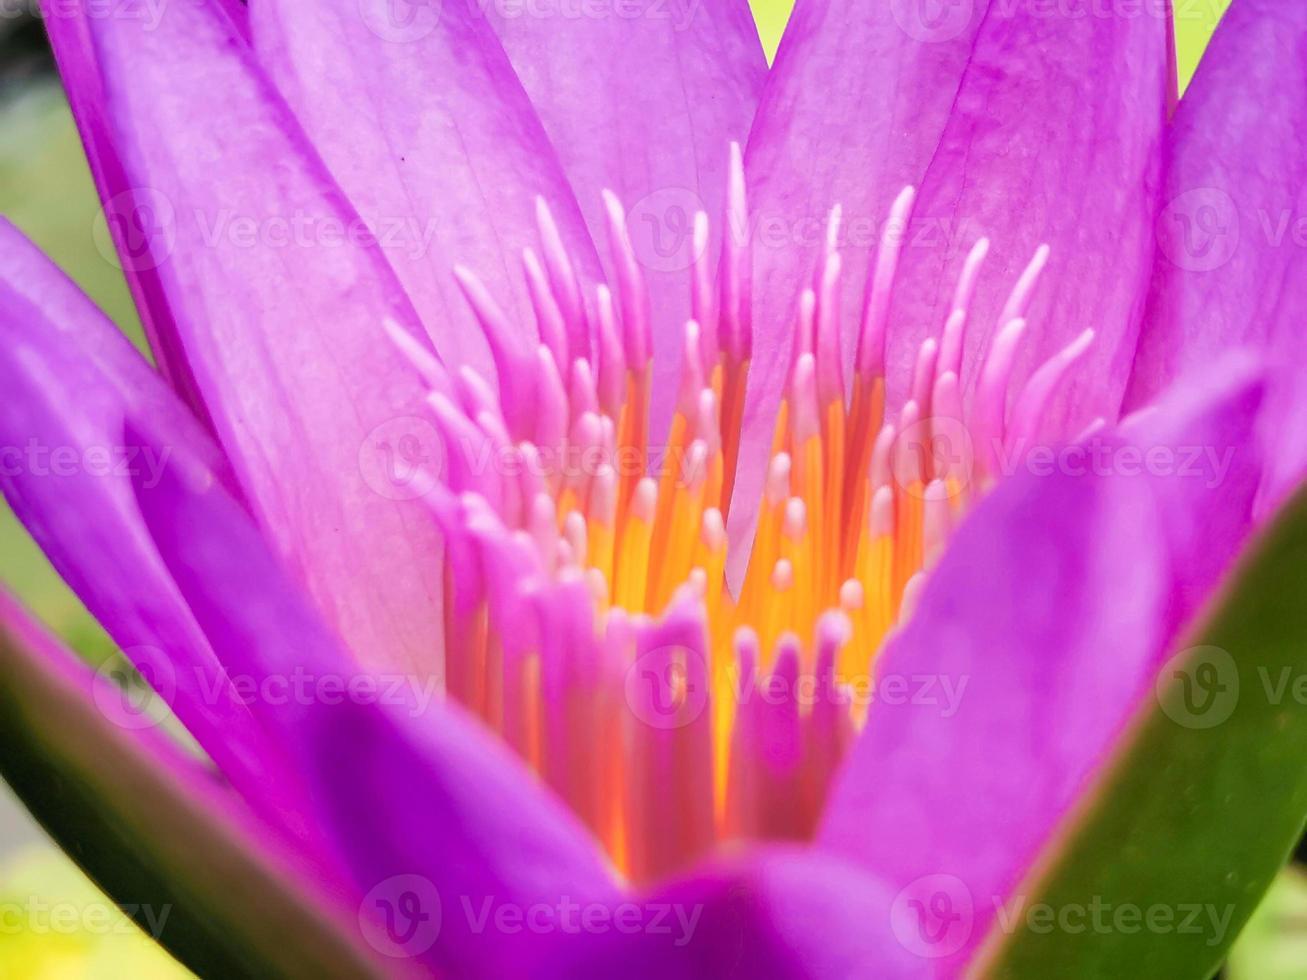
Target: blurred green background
pixel 46 190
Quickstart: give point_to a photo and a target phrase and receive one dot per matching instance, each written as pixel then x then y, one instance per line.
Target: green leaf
pixel 1166 861
pixel 152 840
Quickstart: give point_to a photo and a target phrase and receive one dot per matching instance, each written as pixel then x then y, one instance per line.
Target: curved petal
pixel 418 115
pixel 1049 617
pixel 1189 778
pixel 781 913
pixel 1284 436
pixel 1025 123
pixel 419 798
pixel 156 831
pixel 139 252
pixel 1232 253
pixel 281 310
pixel 1208 419
pixel 852 112
pixel 643 98
pixel 70 379
pixel 1066 158
pixel 1228 265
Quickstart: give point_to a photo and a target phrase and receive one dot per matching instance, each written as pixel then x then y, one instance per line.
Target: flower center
pixel 588 617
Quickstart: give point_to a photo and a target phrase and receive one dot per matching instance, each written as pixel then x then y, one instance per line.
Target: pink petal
pixel 1066 157
pixel 1230 263
pixel 1236 157
pixel 1048 617
pixel 852 112
pixel 418 115
pixel 124 205
pixel 70 379
pixel 418 797
pixel 281 312
pixel 1014 121
pixel 643 98
pixel 781 913
pixel 90 766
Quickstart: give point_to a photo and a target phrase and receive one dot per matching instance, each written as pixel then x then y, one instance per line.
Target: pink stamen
pixel 970 275
pixel 991 396
pixel 612 358
pixel 631 288
pixel 551 408
pixel 924 374
pixel 563 579
pixel 703 291
pixel 1039 390
pixel 830 356
pixel 1019 298
pixel 549 318
pixel 736 264
pixel 875 311
pixel 562 278
pixel 513 362
pixel 424 360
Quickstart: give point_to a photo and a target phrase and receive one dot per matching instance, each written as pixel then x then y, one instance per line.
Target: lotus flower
pixel 578 544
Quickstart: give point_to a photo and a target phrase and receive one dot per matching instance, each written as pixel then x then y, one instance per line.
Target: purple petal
pixel 852 112
pixel 70 379
pixel 1040 634
pixel 959 100
pixel 419 798
pixel 1067 158
pixel 1231 259
pixel 643 98
pixel 281 310
pixel 1208 417
pixel 124 204
pixel 131 806
pixel 1236 158
pixel 417 113
pixel 1284 436
pixel 779 913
